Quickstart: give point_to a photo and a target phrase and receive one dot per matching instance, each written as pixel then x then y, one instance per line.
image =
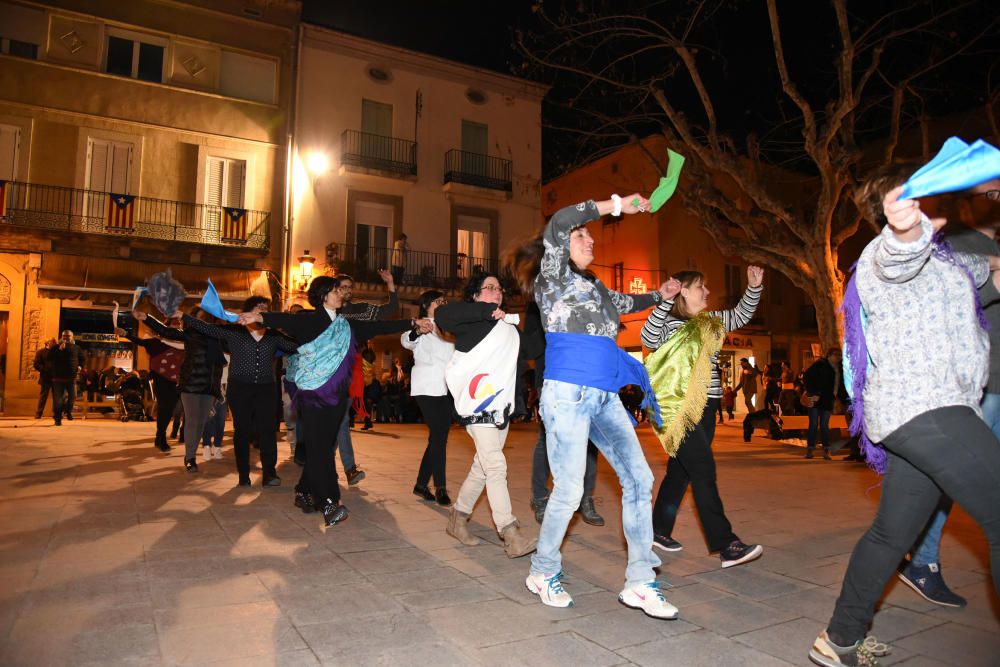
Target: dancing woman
pixel 684 372
pixel 584 369
pixel 321 375
pixel 431 354
pixel 482 377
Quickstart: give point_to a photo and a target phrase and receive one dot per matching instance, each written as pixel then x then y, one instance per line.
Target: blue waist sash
pixel 598 362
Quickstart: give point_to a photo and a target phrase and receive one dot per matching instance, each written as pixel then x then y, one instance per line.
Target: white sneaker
pixel 206 453
pixel 649 599
pixel 216 452
pixel 549 589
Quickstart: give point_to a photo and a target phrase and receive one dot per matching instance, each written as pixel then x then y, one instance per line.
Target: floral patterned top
pixel 568 301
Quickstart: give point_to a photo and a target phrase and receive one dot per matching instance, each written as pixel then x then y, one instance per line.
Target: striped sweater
pixel 660 325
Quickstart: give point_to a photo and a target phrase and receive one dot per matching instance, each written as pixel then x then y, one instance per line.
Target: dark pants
pixel 437 415
pixel 167 396
pixel 948 449
pixel 398 272
pixel 317 427
pixel 818 418
pixel 253 407
pixel 70 398
pixel 215 427
pixel 694 464
pixel 540 468
pixel 60 397
pixel 44 387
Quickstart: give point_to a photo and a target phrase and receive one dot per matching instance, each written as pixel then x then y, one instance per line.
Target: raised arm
pixel 162 330
pixel 455 314
pixel 740 316
pixel 202 327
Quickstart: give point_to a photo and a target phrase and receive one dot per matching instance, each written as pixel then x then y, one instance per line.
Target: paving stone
pixel 218 639
pixel 815 603
pixel 893 623
pixel 751 582
pixel 955 644
pixel 477 624
pixel 734 615
pixel 624 627
pixel 446 597
pixel 566 648
pixel 318 604
pixel 700 649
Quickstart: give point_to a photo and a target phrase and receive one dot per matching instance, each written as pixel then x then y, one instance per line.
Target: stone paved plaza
pixel 113 555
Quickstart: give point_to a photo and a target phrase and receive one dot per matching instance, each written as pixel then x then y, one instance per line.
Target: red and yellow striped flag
pixel 234 225
pixel 121 213
pixel 3 199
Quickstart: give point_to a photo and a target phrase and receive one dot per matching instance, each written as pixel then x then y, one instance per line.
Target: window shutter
pixel 97 174
pixel 214 178
pixel 9 138
pixel 235 182
pixel 121 164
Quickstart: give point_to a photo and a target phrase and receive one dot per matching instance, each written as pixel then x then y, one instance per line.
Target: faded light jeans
pixel 571 413
pixel 489 471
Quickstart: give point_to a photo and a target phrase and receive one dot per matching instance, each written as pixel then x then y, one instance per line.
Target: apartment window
pixel 10 137
pixel 373 224
pixel 376 118
pixel 109 165
pixel 225 182
pixel 248 77
pixel 475 148
pixel 618 272
pixel 135 57
pixel 15 47
pixel 472 243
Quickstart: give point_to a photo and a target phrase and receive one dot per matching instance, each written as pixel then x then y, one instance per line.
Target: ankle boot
pixel 515 542
pixel 458 527
pixel 589 513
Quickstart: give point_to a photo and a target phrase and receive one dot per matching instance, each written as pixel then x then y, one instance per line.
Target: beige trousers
pixel 489 471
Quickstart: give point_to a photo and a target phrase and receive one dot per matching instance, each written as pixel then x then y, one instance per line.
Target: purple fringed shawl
pixel 856 350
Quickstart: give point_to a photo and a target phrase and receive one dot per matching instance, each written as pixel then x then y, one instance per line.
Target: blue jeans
pixel 344 442
pixel 927 550
pixel 572 413
pixel 818 419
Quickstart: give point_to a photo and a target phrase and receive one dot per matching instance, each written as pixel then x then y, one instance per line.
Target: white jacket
pixel 431 355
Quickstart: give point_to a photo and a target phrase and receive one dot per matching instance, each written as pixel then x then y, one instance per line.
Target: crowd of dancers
pixel 921 319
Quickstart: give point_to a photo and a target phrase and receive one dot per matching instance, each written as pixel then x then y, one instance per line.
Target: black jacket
pixel 309 324
pixel 43 364
pixel 201 372
pixel 819 381
pixel 66 361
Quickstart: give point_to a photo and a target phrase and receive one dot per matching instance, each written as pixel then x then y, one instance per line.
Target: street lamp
pixel 306 262
pixel 318 163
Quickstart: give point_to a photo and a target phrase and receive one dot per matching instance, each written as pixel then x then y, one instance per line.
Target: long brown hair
pixel 524 258
pixel 686 279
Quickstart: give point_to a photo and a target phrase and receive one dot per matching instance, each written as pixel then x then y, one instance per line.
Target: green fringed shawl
pixel 680 372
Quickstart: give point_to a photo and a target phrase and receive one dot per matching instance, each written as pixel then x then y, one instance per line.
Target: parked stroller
pixel 129 390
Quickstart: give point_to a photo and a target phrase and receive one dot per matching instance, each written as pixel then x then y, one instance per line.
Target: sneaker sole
pixel 821 659
pixel 659 618
pixel 659 546
pixel 753 555
pixel 356 480
pixel 919 592
pixel 537 591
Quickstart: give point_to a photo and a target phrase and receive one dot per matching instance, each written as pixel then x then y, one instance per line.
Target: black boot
pixel 333 512
pixel 305 502
pixel 589 513
pixel 441 496
pixel 422 492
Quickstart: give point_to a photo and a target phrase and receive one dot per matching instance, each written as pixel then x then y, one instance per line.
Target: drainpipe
pixel 292 124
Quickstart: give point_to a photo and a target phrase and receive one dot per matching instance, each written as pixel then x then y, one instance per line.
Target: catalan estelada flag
pixel 234 225
pixel 121 213
pixel 3 199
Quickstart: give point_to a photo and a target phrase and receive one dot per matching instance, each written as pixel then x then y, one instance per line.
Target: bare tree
pixel 776 189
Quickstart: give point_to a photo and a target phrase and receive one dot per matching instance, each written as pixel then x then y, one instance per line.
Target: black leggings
pixel 253 407
pixel 694 464
pixel 167 396
pixel 437 415
pixel 948 449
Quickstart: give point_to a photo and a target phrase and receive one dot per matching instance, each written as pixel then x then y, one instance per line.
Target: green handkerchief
pixel 668 184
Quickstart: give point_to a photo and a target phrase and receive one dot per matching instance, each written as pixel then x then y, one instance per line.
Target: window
pixel 619 276
pixel 128 56
pixel 472 243
pixel 376 118
pixel 10 137
pixel 373 222
pixel 109 165
pixel 15 47
pixel 225 187
pixel 475 147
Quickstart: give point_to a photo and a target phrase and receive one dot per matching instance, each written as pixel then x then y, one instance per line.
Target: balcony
pixel 426 270
pixel 50 207
pixel 479 170
pixel 378 154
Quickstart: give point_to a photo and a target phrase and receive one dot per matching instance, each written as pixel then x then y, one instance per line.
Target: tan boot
pixel 458 527
pixel 515 542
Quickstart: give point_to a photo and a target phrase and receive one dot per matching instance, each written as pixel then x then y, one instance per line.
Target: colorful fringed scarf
pixel 680 372
pixel 856 359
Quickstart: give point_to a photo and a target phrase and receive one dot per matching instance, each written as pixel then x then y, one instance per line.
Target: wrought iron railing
pixel 424 269
pixel 483 171
pixel 53 207
pixel 374 151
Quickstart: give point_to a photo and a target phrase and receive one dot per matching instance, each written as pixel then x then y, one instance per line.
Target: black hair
pixel 255 301
pixel 475 285
pixel 341 277
pixel 319 288
pixel 426 299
